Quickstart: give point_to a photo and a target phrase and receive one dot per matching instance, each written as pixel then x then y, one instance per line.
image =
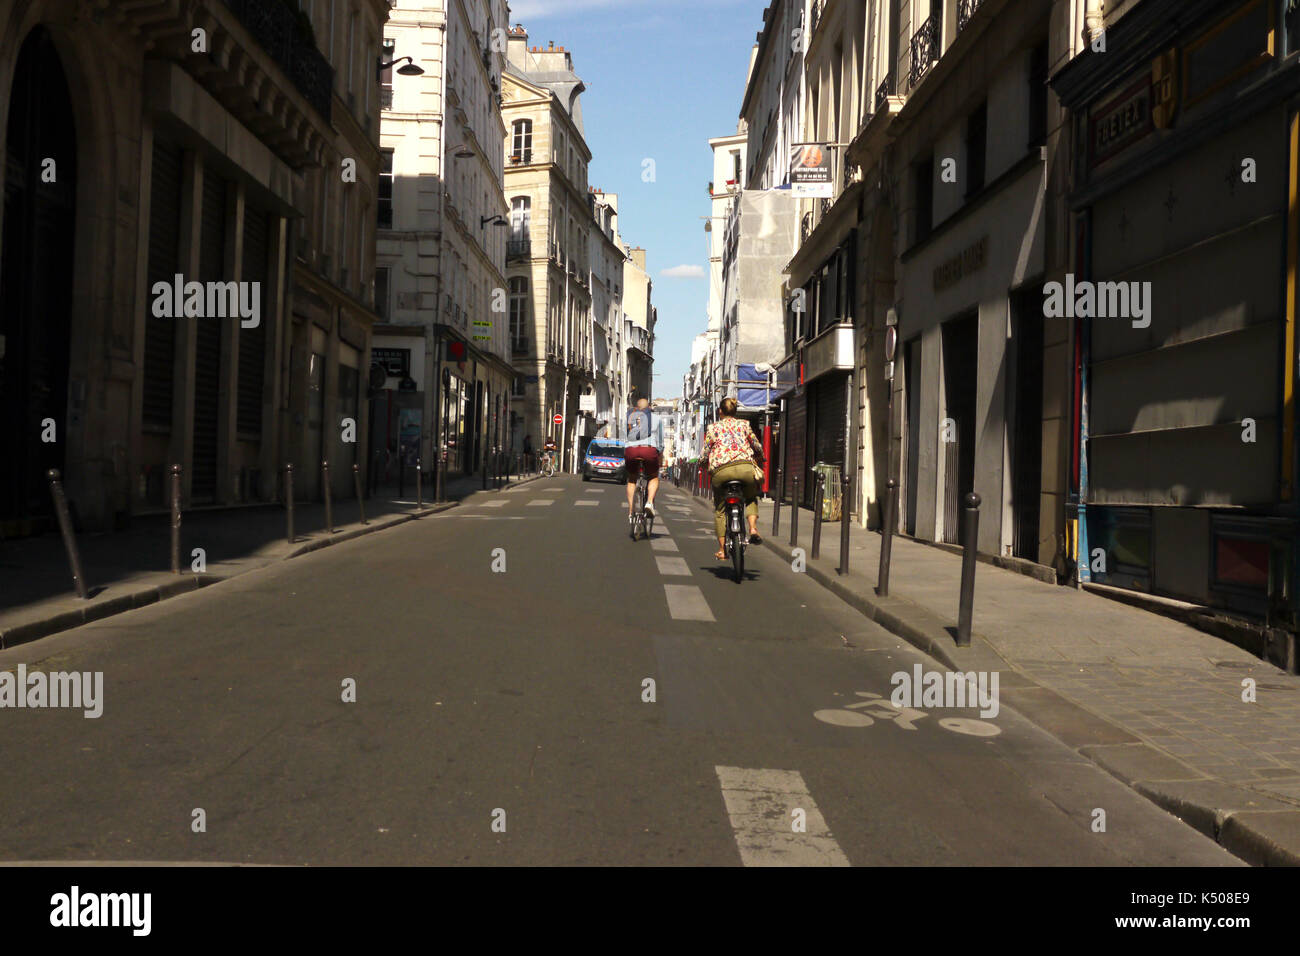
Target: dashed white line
pixel 669 565
pixel 584 503
pixel 541 502
pixel 686 603
pixel 663 544
pixel 767 809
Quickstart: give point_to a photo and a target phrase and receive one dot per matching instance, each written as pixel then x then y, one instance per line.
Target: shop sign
pixel 810 170
pixel 971 259
pixel 396 362
pixel 1121 122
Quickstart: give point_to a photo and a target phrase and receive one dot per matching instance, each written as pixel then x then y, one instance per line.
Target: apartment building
pixel 639 318
pixel 207 140
pixel 606 257
pixel 442 244
pixel 548 269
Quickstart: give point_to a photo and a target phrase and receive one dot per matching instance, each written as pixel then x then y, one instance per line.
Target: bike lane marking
pixel 669 565
pixel 686 603
pixel 761 807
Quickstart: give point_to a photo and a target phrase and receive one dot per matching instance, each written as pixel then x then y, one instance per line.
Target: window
pixel 381 292
pixel 735 166
pixel 1038 95
pixel 521 143
pixel 977 125
pixel 352 44
pixel 923 193
pixel 387 54
pixel 385 205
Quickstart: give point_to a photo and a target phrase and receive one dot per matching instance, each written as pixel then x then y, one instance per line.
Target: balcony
pixel 965 10
pixel 519 348
pixel 924 50
pixel 274 27
pixel 385 97
pixel 520 159
pixel 884 91
pixel 518 250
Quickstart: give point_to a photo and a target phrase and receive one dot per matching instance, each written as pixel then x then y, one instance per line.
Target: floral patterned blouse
pixel 729 440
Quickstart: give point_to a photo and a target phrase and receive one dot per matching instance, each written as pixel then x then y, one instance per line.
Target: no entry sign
pixel 558 419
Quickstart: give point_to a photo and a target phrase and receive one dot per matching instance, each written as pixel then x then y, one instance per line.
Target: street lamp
pixel 411 68
pixel 498 219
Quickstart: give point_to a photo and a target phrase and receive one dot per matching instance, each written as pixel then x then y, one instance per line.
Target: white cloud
pixel 684 272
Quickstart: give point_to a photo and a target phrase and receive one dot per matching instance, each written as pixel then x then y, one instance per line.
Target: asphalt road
pixel 515 699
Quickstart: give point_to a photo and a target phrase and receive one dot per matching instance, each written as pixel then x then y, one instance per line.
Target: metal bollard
pixel 776 504
pixel 329 503
pixel 970 529
pixel 288 500
pixel 361 502
pixel 817 517
pixel 176 518
pixel 887 537
pixel 65 529
pixel 846 487
pixel 419 485
pixel 794 512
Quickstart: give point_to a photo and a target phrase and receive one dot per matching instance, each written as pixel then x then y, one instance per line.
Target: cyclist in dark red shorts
pixel 642 454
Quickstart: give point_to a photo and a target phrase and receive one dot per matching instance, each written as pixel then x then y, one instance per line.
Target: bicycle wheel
pixel 737 555
pixel 638 509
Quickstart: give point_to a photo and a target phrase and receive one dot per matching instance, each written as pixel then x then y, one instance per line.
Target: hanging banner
pixel 810 170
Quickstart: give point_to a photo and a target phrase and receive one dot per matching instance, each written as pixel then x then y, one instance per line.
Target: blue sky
pixel 662 77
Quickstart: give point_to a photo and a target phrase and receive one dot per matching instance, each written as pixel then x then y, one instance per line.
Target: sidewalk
pixel 1155 702
pixel 130 569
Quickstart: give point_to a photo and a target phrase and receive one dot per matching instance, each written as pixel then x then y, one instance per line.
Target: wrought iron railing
pixel 519 348
pixel 925 50
pixel 965 10
pixel 385 97
pixel 805 227
pixel 884 91
pixel 275 28
pixel 518 249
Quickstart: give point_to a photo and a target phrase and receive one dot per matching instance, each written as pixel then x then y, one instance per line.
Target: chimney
pixel 517 47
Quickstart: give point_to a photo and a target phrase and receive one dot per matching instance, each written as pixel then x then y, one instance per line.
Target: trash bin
pixel 830 500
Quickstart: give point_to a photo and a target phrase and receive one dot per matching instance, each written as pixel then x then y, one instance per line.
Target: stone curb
pixel 1251 826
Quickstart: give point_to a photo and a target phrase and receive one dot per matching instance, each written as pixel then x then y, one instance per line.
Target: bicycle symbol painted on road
pixel 862 714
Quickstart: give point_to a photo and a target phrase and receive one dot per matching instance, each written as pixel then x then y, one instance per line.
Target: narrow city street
pixel 502 654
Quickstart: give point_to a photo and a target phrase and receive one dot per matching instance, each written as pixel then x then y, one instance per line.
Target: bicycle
pixel 548 465
pixel 642 523
pixel 733 503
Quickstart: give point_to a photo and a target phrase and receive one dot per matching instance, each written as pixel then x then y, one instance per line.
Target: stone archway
pixel 36 283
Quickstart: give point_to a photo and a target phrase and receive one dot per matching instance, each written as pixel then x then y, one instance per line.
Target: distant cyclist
pixel 642 453
pixel 549 449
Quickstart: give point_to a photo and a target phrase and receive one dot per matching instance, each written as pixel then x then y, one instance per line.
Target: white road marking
pixel 663 544
pixel 760 805
pixel 596 491
pixel 541 502
pixel 490 504
pixel 589 504
pixel 686 603
pixel 668 565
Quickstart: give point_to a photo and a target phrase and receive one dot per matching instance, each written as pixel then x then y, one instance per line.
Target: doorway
pixel 36 255
pixel 1027 449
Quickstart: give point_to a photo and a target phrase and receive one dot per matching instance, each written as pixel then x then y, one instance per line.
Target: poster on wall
pixel 409 422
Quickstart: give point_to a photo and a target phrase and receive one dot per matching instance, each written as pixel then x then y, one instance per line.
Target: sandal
pixel 720 554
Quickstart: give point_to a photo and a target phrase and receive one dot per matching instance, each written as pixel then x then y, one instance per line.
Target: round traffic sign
pixel 891 342
pixel 558 419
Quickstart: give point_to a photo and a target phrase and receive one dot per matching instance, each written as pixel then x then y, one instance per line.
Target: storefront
pixel 1184 439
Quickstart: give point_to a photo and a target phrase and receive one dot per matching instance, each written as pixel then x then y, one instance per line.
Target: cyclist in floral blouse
pixel 732 450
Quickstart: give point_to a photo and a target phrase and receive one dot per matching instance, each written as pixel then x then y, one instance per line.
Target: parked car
pixel 604 459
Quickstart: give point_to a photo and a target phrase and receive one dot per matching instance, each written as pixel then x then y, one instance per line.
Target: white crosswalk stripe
pixel 686 603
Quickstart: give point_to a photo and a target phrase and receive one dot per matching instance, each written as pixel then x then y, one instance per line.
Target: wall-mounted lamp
pixel 411 69
pixel 484 220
